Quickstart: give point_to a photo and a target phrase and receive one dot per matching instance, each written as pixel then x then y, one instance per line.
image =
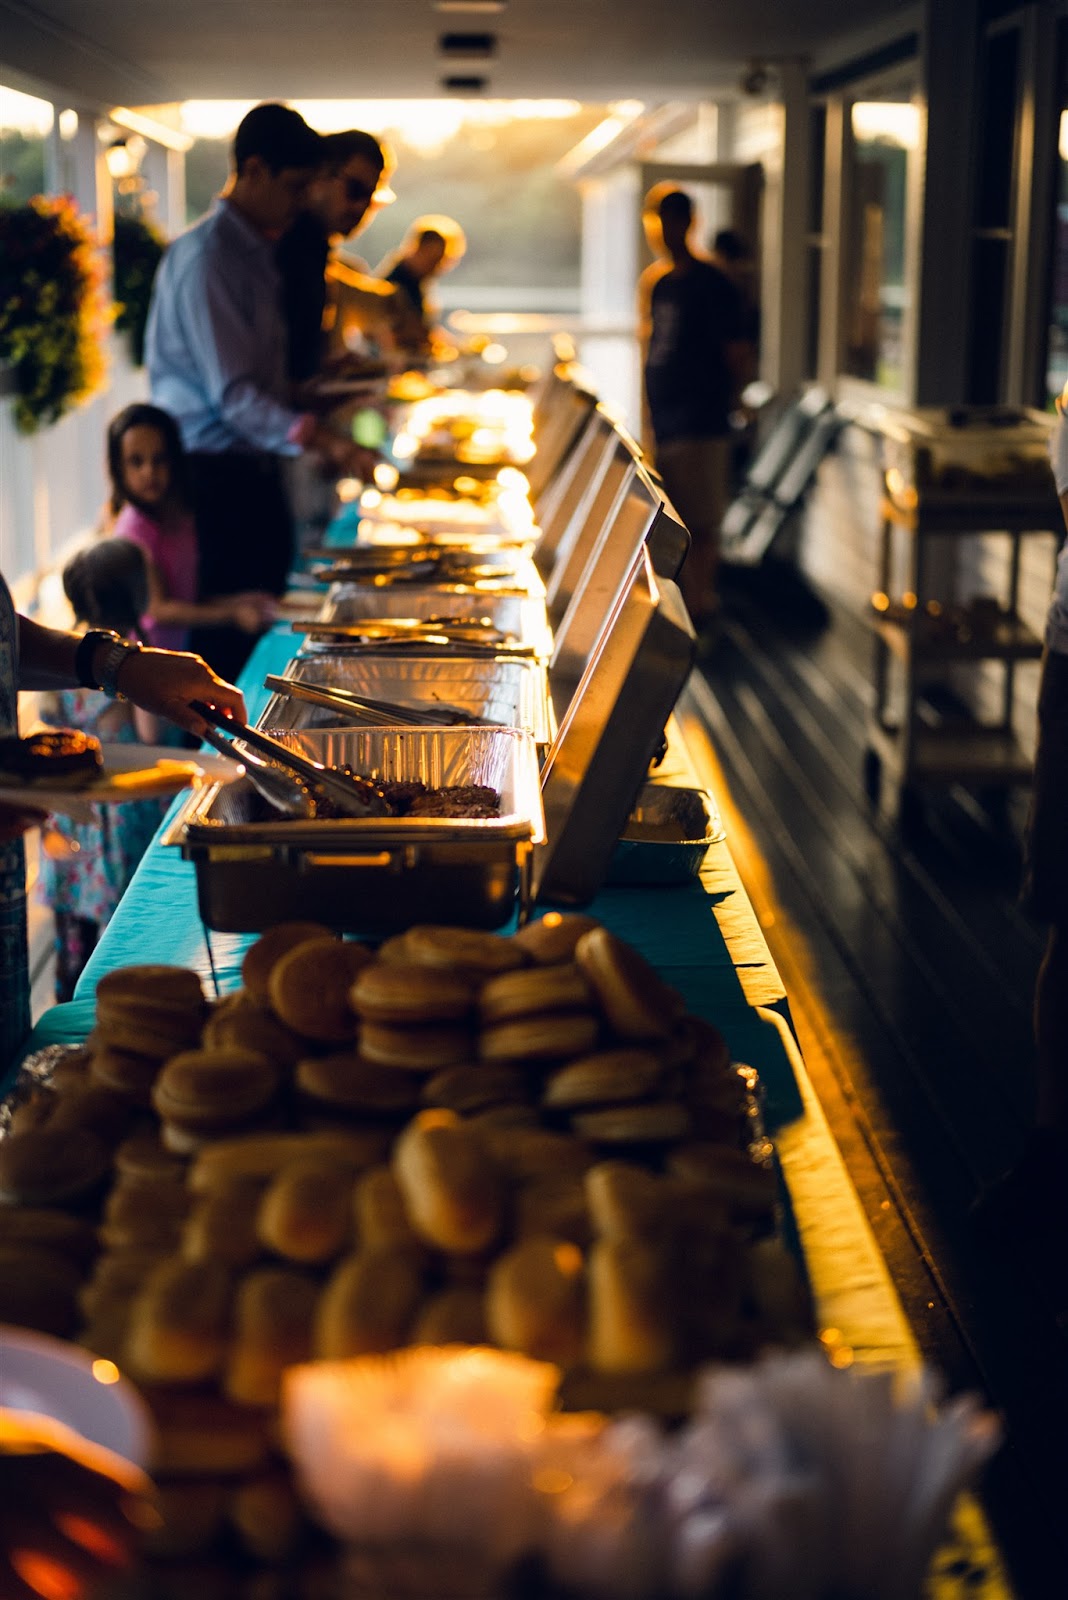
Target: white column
pixel 91 180
pixel 164 172
pixel 783 289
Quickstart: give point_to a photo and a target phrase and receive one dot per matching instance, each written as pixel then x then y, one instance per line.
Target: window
pixel 25 124
pixel 877 294
pixel 1057 334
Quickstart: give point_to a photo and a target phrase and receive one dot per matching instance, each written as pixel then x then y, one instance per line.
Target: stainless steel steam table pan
pixel 371 875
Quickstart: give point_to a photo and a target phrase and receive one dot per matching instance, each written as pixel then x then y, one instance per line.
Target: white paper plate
pixel 62 1381
pixel 166 771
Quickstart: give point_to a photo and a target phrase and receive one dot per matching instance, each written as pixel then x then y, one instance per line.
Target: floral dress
pixel 84 886
pixel 14 962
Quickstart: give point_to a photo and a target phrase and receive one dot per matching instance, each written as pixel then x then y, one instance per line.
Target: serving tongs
pixel 417 633
pixel 352 795
pixel 377 712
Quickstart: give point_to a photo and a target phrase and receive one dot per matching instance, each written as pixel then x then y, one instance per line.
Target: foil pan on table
pixel 667 836
pixel 515 618
pixel 371 875
pixel 504 690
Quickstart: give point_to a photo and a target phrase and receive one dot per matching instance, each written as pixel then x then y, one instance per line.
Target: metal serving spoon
pixel 352 795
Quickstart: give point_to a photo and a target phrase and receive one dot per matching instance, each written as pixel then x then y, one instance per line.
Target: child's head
pixel 107 585
pixel 145 459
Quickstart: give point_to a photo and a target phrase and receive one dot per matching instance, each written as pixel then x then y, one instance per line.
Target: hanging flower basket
pixel 53 309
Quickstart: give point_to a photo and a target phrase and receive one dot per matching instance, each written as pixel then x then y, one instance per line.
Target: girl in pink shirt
pixel 148 504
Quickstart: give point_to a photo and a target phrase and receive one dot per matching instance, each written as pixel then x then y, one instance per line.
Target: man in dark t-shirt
pixel 343 197
pixel 695 358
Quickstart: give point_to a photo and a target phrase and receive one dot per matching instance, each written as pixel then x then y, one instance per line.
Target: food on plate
pixel 61 758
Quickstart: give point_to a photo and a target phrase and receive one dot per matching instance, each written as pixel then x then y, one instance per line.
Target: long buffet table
pixel 704 939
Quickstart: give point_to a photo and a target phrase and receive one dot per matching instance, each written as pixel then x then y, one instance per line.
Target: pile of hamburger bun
pixel 457 1138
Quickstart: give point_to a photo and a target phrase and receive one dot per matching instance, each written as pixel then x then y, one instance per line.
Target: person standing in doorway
pixel 215 350
pixel 695 361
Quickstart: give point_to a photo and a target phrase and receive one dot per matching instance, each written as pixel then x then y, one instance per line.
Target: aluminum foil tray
pixel 371 875
pixel 667 836
pixel 510 692
pixel 519 617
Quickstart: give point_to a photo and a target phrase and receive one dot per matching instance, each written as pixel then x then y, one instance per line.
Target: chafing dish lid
pixel 610 733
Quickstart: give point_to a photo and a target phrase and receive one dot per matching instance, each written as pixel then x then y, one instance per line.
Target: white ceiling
pixel 142 51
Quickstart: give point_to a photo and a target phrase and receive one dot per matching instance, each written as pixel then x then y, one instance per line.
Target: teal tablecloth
pixel 679 930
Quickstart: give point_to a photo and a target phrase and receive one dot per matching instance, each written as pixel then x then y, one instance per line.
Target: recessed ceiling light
pixel 485 7
pixel 472 46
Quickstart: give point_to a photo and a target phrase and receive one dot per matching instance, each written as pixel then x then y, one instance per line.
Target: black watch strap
pixel 83 656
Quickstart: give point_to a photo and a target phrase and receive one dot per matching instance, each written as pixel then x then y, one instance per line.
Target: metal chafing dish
pixel 609 734
pixel 516 617
pixel 503 689
pixel 623 508
pixel 371 875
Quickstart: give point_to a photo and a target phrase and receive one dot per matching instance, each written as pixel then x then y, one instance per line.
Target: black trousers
pixel 245 538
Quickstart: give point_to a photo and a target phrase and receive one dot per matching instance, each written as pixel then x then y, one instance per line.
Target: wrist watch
pixel 116 653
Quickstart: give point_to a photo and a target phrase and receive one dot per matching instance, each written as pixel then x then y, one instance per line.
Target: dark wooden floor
pixel 924 970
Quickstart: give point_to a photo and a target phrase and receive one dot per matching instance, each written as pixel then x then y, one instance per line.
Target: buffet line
pixel 455 1249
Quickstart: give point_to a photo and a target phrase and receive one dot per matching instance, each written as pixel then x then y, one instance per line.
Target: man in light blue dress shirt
pixel 216 354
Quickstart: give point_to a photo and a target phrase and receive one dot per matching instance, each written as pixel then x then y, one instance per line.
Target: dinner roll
pixel 309 988
pixel 450 1186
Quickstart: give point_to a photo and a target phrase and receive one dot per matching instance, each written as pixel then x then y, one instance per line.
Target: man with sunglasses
pixel 351 186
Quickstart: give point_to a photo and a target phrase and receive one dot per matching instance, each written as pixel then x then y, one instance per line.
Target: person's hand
pixel 70 1512
pixel 163 682
pixel 346 458
pixel 16 820
pixel 254 610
